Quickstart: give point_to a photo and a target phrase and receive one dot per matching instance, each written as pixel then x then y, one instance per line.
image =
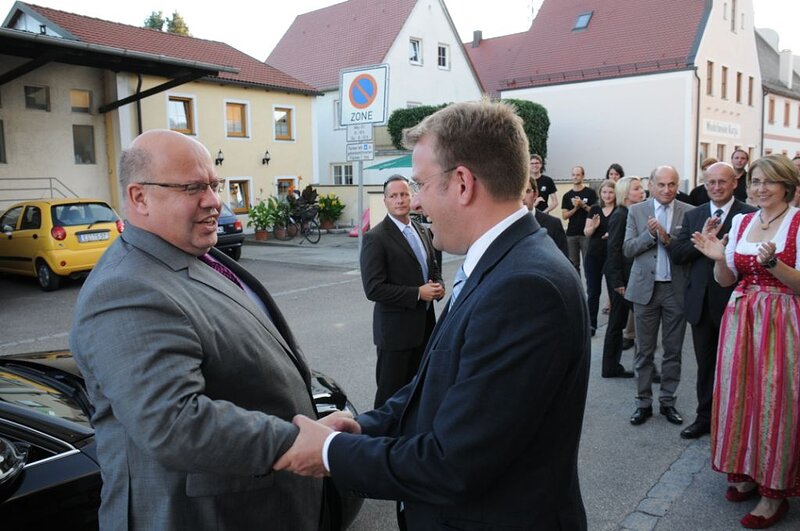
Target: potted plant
pixel 262 216
pixel 280 222
pixel 330 209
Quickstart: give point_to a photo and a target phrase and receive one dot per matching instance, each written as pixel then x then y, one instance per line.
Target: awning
pixel 399 162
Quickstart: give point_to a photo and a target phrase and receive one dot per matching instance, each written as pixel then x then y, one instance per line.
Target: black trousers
pixel 705 338
pixel 617 320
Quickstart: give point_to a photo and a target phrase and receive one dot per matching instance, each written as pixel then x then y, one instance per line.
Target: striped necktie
pixel 222 269
pixel 458 283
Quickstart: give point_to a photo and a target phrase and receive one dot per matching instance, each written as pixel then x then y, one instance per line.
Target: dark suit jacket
pixel 486 435
pixel 555 229
pixel 194 390
pixel 392 276
pixel 618 266
pixel 701 269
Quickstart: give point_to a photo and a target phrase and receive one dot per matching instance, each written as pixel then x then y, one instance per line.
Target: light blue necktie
pixel 458 283
pixel 662 258
pixel 423 262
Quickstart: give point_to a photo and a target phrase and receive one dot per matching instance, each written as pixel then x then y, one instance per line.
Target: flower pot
pixel 326 224
pixel 261 235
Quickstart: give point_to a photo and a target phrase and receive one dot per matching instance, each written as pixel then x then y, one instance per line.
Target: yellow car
pixel 55 238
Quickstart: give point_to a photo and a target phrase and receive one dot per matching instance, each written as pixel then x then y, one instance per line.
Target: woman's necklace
pixel 765 225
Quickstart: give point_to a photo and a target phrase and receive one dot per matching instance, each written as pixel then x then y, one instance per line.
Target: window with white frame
pixel 342 173
pixel 282 118
pixel 239 195
pixel 443 56
pixel 181 114
pixel 415 51
pixel 236 119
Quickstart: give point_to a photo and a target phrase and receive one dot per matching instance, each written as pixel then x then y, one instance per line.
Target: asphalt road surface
pixel 632 477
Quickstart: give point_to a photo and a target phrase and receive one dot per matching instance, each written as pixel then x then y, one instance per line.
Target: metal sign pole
pixel 360 206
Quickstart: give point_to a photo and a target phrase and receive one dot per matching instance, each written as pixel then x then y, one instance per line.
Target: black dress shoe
pixel 627 343
pixel 619 372
pixel 695 430
pixel 641 415
pixel 672 414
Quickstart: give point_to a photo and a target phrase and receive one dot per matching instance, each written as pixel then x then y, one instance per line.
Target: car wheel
pixel 236 253
pixel 48 280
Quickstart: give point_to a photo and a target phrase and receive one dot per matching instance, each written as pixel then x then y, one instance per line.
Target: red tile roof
pixel 354 33
pixel 624 37
pixel 493 58
pixel 103 32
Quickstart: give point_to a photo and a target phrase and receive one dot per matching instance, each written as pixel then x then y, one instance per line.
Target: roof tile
pixel 353 33
pixel 624 37
pixel 103 32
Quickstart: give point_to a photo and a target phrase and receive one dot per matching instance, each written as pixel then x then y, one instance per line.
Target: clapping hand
pixel 766 251
pixel 657 230
pixel 712 226
pixel 710 245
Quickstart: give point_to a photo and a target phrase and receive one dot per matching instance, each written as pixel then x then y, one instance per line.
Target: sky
pixel 255 27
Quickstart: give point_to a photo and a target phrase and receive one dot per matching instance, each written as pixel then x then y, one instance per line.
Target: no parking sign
pixel 363 93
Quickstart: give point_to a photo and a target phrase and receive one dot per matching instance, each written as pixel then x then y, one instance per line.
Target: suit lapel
pixel 427 245
pixel 394 232
pixel 497 250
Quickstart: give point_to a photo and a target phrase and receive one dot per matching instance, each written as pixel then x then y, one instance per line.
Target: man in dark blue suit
pixel 705 300
pixel 486 435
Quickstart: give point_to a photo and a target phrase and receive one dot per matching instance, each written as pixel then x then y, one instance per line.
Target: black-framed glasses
pixel 192 188
pixel 415 185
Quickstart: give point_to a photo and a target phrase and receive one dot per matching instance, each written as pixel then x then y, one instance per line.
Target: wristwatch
pixel 772 262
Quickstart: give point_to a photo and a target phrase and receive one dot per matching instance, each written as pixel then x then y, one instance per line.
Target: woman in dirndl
pixel 755 427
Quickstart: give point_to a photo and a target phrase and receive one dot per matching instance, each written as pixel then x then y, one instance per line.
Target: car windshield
pixel 71 214
pixel 226 211
pixel 19 388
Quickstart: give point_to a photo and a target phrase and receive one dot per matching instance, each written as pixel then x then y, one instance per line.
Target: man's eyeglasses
pixel 192 188
pixel 416 186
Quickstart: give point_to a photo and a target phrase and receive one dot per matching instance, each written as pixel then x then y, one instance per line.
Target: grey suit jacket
pixel 194 389
pixel 641 246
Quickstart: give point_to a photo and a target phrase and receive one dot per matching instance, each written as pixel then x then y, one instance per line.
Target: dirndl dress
pixel 755 426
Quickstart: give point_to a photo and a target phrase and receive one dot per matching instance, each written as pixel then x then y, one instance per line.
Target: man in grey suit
pixel 656 287
pixel 192 369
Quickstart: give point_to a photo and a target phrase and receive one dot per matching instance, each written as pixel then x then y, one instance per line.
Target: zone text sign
pixel 363 93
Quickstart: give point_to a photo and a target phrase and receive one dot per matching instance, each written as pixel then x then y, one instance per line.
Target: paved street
pixel 639 478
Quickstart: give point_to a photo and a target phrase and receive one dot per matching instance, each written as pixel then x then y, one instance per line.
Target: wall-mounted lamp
pixel 219 159
pixel 266 158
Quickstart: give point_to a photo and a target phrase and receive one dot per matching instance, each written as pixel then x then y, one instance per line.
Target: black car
pixel 49 475
pixel 230 235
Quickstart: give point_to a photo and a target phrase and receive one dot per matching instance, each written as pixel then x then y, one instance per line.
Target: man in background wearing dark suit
pixel 458 446
pixel 705 299
pixel 402 277
pixel 553 225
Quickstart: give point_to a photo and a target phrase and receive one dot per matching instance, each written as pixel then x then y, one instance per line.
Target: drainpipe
pixel 696 127
pixel 139 104
pixel 764 94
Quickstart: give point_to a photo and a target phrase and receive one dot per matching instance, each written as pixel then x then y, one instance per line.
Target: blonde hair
pixel 622 188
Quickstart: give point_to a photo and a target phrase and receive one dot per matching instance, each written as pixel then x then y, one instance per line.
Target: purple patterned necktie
pixel 222 269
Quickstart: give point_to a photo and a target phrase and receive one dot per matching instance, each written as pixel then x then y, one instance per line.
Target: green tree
pixel 534 120
pixel 177 25
pixel 536 124
pixel 155 21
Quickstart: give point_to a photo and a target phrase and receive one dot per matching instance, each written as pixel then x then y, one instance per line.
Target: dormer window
pixel 583 21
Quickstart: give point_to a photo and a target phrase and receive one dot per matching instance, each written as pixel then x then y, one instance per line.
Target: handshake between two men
pixel 304 457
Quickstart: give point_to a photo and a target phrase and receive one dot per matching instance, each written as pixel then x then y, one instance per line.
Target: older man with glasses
pixel 190 365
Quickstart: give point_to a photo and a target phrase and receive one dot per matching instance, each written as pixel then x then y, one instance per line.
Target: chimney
pixel 785 68
pixel 477 36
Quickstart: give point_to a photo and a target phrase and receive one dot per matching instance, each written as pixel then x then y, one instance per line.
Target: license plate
pixel 220 230
pixel 92 237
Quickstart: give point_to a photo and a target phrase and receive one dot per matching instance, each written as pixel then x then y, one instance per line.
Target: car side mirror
pixel 12 462
pixel 7 230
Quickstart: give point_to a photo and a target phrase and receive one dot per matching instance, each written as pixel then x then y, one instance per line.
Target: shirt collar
pixel 725 208
pixel 400 224
pixel 479 246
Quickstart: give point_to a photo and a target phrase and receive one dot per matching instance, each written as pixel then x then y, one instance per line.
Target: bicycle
pixel 302 221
